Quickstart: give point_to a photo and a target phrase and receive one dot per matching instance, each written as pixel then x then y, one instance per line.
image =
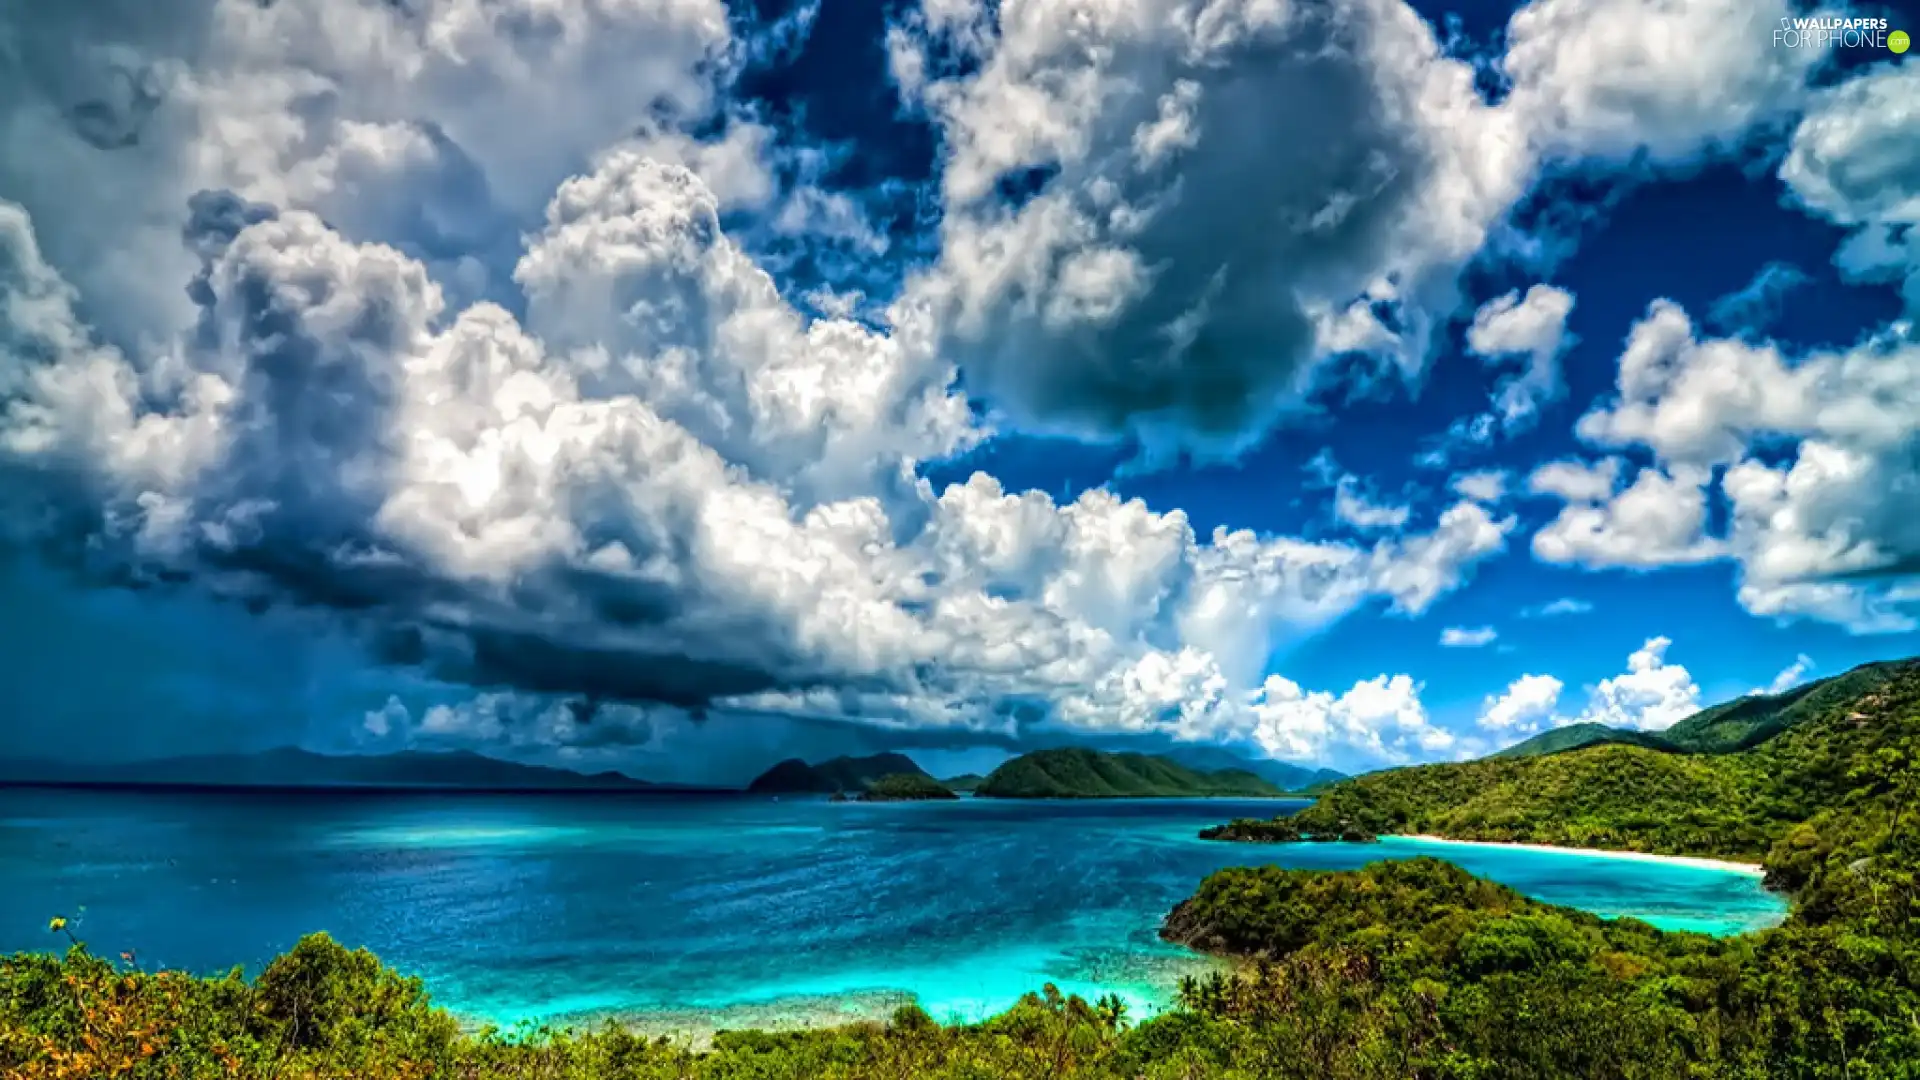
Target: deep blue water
pixel 559 907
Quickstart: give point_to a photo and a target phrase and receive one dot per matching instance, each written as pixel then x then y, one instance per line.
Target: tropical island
pixel 1082 773
pixel 1281 830
pixel 1413 968
pixel 905 787
pixel 1059 773
pixel 844 775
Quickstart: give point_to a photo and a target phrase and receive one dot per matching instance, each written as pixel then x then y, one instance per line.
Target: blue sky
pixel 673 387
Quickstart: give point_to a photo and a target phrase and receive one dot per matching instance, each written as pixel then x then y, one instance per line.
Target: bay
pixel 688 913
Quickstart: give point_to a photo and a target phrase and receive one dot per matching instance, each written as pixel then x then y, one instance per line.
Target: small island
pixel 905 787
pixel 964 782
pixel 1081 773
pixel 835 775
pixel 1282 831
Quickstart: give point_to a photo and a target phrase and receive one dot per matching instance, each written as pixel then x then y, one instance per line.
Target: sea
pixel 685 913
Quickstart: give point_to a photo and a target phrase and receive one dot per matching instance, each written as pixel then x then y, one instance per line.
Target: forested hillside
pixel 1849 739
pixel 848 775
pixel 1078 773
pixel 1574 736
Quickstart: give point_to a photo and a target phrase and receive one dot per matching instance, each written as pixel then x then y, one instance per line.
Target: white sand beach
pixel 1753 869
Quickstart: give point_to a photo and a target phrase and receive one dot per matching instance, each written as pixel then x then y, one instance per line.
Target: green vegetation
pixel 1751 720
pixel 963 782
pixel 1733 726
pixel 1575 736
pixel 1078 773
pixel 905 787
pixel 1419 969
pixel 1280 830
pixel 841 774
pixel 1411 970
pixel 1605 796
pixel 1774 800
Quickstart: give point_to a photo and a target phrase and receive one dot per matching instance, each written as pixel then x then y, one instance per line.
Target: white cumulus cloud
pixel 1525 706
pixel 1533 327
pixel 1651 695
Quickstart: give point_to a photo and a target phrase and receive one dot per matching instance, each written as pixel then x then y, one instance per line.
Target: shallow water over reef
pixel 746 911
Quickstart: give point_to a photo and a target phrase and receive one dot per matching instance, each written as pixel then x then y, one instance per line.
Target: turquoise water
pixel 557 908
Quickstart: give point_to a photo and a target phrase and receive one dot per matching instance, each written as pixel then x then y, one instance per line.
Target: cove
pixel 683 912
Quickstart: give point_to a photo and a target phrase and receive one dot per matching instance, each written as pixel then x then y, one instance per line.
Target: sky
pixel 674 386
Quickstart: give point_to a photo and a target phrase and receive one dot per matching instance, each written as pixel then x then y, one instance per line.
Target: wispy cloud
pixel 1566 605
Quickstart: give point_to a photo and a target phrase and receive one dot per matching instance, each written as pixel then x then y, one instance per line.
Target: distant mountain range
pixel 1280 774
pixel 1079 773
pixel 1062 772
pixel 289 767
pixel 841 775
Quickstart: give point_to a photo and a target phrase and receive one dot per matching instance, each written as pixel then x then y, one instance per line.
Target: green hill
pixel 1575 736
pixel 1799 789
pixel 1734 725
pixel 1752 720
pixel 1079 773
pixel 963 782
pixel 906 787
pixel 842 774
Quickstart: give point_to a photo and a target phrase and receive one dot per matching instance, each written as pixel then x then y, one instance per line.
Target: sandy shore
pixel 1752 869
pixel 694 1028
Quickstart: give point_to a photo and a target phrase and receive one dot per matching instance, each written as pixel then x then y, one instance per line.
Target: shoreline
pixel 1698 862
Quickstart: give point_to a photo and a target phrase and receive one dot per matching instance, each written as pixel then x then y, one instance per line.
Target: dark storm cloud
pixel 530 661
pixel 1162 260
pixel 1211 345
pixel 113 123
pixel 99 673
pixel 311 333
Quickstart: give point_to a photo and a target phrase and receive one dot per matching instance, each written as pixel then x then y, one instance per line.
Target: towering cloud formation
pixel 673 489
pixel 1160 217
pixel 433 332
